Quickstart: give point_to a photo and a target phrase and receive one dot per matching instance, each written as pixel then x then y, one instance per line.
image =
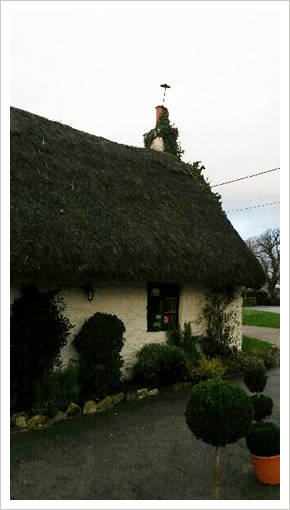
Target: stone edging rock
pixel 21 422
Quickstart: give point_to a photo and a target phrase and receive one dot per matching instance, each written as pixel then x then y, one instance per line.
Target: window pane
pixel 162 306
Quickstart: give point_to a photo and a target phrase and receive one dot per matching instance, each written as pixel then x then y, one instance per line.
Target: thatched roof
pixel 84 209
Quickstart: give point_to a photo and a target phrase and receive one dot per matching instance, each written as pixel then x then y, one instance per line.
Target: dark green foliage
pixel 57 391
pixel 184 339
pixel 241 361
pixel 86 209
pixel 99 344
pixel 218 412
pixel 262 405
pixel 38 332
pixel 270 357
pixel 212 347
pixel 175 336
pixel 195 170
pixel 255 379
pixel 220 324
pixel 263 439
pixel 169 134
pixel 260 298
pixel 160 365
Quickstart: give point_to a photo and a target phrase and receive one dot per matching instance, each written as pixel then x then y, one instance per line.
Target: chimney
pixel 159 112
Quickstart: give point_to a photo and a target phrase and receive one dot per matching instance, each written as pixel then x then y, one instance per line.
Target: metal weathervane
pixel 165 86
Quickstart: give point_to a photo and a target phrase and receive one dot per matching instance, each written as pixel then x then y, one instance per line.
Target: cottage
pixel 118 229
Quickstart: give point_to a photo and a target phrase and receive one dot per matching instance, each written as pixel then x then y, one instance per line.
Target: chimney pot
pixel 159 112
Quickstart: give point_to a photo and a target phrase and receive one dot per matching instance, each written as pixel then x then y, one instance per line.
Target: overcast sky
pixel 100 71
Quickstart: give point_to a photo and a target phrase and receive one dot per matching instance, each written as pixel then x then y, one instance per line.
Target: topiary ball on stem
pixel 218 413
pixel 255 379
pixel 263 406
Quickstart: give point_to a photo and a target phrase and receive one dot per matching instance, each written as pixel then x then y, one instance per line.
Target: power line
pixel 252 207
pixel 251 200
pixel 246 177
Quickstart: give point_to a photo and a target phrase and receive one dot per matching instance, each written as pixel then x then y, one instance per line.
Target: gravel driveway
pixel 140 450
pixel 271 335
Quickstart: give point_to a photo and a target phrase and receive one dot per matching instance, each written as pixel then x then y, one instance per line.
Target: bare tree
pixel 266 247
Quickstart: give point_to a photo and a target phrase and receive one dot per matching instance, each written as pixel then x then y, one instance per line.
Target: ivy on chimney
pixel 169 134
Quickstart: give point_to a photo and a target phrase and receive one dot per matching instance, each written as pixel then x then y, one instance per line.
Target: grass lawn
pixel 254 343
pixel 262 319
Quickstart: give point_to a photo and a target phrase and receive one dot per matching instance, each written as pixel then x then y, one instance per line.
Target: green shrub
pixel 175 336
pixel 263 406
pixel 160 365
pixel 218 412
pixel 270 357
pixel 211 368
pixel 263 439
pixel 264 358
pixel 255 379
pixel 184 339
pixel 221 324
pixel 57 391
pixel 38 333
pixel 239 361
pixel 99 343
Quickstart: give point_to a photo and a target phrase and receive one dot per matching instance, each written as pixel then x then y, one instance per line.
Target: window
pixel 162 306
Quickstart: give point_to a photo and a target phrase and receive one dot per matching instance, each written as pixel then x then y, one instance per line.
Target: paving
pixel 140 450
pixel 271 335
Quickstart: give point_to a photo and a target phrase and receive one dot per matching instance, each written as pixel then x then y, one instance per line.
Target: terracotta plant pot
pixel 267 469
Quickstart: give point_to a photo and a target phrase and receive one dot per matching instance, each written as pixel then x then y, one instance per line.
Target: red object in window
pixel 166 319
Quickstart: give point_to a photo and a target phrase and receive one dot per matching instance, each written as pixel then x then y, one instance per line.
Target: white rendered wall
pixel 129 303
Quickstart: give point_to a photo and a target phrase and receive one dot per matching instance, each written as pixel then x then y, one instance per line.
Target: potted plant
pixel 263 441
pixel 218 413
pixel 263 438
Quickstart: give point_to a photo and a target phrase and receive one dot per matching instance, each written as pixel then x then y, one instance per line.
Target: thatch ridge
pixel 86 209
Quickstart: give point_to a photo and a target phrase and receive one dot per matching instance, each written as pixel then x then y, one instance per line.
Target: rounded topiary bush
pixel 218 412
pixel 160 365
pixel 255 379
pixel 99 343
pixel 263 406
pixel 263 439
